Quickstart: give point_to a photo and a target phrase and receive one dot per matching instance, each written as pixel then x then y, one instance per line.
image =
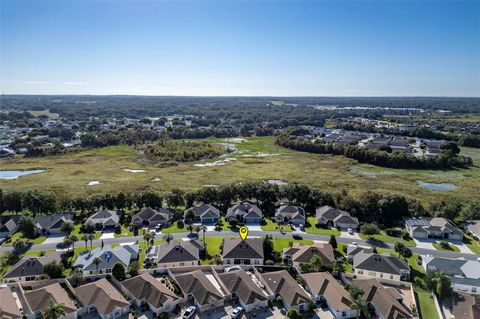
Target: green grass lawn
pixel 124 233
pixel 273 226
pixel 451 247
pixel 280 243
pixel 68 175
pixel 472 244
pixel 320 231
pixel 18 235
pixel 175 229
pixel 426 305
pixel 383 237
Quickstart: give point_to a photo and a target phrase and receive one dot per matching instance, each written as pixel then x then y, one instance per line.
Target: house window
pixel 182 264
pixel 344 313
pixel 108 271
pixel 381 275
pixel 360 272
pixel 391 276
pixel 228 261
pixel 474 289
pixel 372 273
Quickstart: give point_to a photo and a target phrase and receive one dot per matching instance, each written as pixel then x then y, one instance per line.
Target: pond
pixel 437 186
pixel 16 174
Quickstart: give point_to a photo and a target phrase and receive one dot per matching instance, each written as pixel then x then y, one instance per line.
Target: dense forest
pixel 182 151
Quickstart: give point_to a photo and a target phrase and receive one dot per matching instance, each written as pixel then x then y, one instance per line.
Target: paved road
pixel 120 240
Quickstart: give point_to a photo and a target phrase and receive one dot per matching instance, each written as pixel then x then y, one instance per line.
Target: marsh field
pixel 122 168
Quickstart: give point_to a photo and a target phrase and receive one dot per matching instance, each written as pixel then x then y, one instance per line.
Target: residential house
pixel 104 219
pixel 102 297
pixel 241 286
pixel 203 213
pixel 10 306
pixel 473 226
pixel 197 286
pixel 245 213
pixel 352 250
pixel 436 227
pixel 177 254
pixel 242 252
pixel 43 295
pixel 381 266
pixel 30 268
pixel 466 306
pixel 281 283
pixel 8 227
pixel 387 302
pixel 144 289
pixel 107 257
pixel 331 217
pixel 300 253
pixel 152 217
pixel 464 274
pixel 290 214
pixel 324 288
pixel 52 224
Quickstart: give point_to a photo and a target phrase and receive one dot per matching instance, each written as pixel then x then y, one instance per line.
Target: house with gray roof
pixel 202 288
pixel 30 268
pixel 242 252
pixel 104 219
pixel 152 217
pixel 178 254
pixel 202 213
pixel 8 228
pixel 436 227
pixel 241 286
pixel 464 274
pixel 352 250
pixel 290 214
pixel 52 224
pixel 328 216
pixel 473 226
pixel 108 257
pixel 245 213
pixel 381 266
pixel 281 283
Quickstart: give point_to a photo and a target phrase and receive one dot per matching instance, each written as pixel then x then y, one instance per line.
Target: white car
pixel 237 312
pixel 189 313
pixel 350 231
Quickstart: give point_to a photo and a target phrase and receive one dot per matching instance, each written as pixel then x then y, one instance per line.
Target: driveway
pixel 52 239
pixel 460 245
pixel 108 234
pixel 425 243
pixel 345 234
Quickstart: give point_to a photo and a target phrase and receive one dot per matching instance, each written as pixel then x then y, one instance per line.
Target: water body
pixel 437 187
pixel 17 174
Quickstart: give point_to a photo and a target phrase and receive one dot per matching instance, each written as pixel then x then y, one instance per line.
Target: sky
pixel 266 48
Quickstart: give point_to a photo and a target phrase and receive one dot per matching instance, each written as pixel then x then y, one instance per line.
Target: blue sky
pixel 316 48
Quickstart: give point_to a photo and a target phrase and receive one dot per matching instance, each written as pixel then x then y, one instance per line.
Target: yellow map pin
pixel 243 232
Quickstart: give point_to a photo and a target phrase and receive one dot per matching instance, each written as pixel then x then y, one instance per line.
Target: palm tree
pixel 146 237
pixel 85 239
pixel 97 261
pixel 66 243
pixel 316 263
pixel 338 266
pixel 190 216
pixel 362 306
pixel 73 239
pixel 91 237
pixel 198 229
pixel 54 311
pixel 67 227
pixel 204 229
pixel 168 237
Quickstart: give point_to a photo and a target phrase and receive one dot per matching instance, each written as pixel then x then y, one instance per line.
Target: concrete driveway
pixel 108 234
pixel 425 243
pixel 54 239
pixel 460 245
pixel 345 234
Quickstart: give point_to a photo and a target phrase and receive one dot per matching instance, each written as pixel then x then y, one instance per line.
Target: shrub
pixel 53 270
pixel 394 232
pixel 118 271
pixel 419 282
pixel 369 229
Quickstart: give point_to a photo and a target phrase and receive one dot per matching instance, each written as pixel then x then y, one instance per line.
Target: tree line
pixel 449 158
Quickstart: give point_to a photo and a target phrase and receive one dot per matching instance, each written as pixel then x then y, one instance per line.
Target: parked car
pixel 237 312
pixel 189 313
pixel 350 231
pixel 297 235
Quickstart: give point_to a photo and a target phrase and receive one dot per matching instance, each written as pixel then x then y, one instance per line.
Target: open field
pixel 257 159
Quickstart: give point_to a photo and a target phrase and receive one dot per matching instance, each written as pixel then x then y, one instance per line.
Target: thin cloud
pixel 74 83
pixel 39 82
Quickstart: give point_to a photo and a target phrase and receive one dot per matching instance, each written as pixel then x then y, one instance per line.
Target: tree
pixel 399 248
pixel 67 227
pixel 204 229
pixel 73 239
pixel 316 263
pixel 91 237
pixel 189 218
pixel 168 237
pixel 54 311
pixel 133 268
pixel 268 249
pixel 118 271
pixel 19 246
pixel 358 299
pixel 338 266
pixel 97 261
pixel 27 227
pixel 407 253
pixel 85 239
pixel 369 229
pixel 333 241
pixel 77 277
pixel 293 314
pixel 53 269
pixel 450 149
pixel 439 283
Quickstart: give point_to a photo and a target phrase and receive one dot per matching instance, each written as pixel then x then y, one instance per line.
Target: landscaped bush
pixel 369 229
pixel 394 232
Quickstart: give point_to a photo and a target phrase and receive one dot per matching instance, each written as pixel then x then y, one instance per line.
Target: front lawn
pixel 472 244
pixel 125 232
pixel 18 235
pixel 273 226
pixel 425 304
pixel 175 229
pixel 280 243
pixel 318 230
pixel 449 247
pixel 383 237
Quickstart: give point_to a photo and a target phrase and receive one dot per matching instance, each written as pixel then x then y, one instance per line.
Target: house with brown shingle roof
pixel 8 306
pixel 201 287
pixel 178 254
pixel 152 217
pixel 242 252
pixel 31 267
pixel 242 287
pixel 290 214
pixel 300 253
pixel 244 213
pixel 41 296
pixel 146 289
pixel 281 283
pixel 101 296
pixel 466 306
pixel 324 287
pixel 381 266
pixel 387 302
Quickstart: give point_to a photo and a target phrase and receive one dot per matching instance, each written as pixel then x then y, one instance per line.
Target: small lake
pixel 437 187
pixel 17 174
